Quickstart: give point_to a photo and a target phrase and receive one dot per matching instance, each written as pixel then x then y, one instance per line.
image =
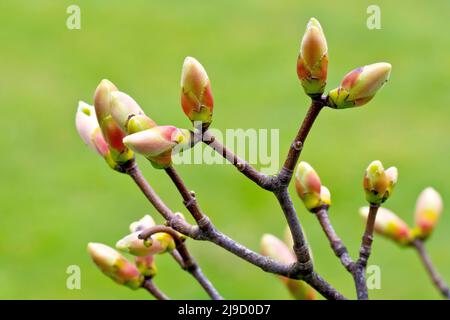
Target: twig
pixel 364 254
pixel 243 166
pixel 299 141
pixel 336 243
pixel 435 277
pixel 151 287
pixel 188 262
pixel 182 226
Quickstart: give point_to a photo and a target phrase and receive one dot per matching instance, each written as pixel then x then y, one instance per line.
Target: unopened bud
pixel 428 211
pixel 115 266
pixel 379 183
pixel 159 243
pixel 158 144
pixel 142 224
pixel 276 249
pixel 309 188
pixel 312 62
pixel 196 95
pixel 124 108
pixel 89 130
pixel 360 85
pixel 146 265
pixel 110 128
pixel 389 225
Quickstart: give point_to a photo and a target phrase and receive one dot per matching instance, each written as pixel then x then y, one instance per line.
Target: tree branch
pixel 243 166
pixel 151 287
pixel 336 243
pixel 364 254
pixel 299 141
pixel 434 275
pixel 188 262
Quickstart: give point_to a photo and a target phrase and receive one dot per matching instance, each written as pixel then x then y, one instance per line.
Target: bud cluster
pixel 428 210
pixel 120 269
pixel 357 87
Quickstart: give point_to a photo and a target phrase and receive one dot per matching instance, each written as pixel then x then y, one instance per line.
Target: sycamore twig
pixel 434 275
pixel 364 254
pixel 151 287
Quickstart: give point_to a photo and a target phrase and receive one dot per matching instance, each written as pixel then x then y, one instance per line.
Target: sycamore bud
pixel 379 183
pixel 158 144
pixel 312 62
pixel 389 225
pixel 309 187
pixel 276 249
pixel 196 95
pixel 124 110
pixel 359 86
pixel 142 224
pixel 110 128
pixel 158 243
pixel 428 210
pixel 90 133
pixel 115 266
pixel 146 265
pixel 88 129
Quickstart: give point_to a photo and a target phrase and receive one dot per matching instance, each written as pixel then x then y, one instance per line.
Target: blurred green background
pixel 56 195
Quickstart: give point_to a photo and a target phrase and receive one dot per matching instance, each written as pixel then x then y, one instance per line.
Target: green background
pixel 56 195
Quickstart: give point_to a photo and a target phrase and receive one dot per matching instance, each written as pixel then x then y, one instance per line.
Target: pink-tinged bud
pixel 146 265
pixel 308 186
pixel 87 126
pixel 111 130
pixel 379 183
pixel 360 85
pixel 115 266
pixel 142 224
pixel 158 243
pixel 158 144
pixel 102 98
pixel 124 108
pixel 196 95
pixel 428 211
pixel 389 225
pixel 276 249
pixel 312 62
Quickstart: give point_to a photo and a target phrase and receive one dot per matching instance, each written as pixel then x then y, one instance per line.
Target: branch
pixel 299 141
pixel 188 262
pixel 182 226
pixel 435 277
pixel 364 254
pixel 336 243
pixel 243 166
pixel 151 287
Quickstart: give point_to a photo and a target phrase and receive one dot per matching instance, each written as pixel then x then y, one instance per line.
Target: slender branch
pixel 364 254
pixel 299 141
pixel 434 275
pixel 189 200
pixel 300 248
pixel 151 287
pixel 188 262
pixel 182 226
pixel 336 243
pixel 367 239
pixel 243 166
